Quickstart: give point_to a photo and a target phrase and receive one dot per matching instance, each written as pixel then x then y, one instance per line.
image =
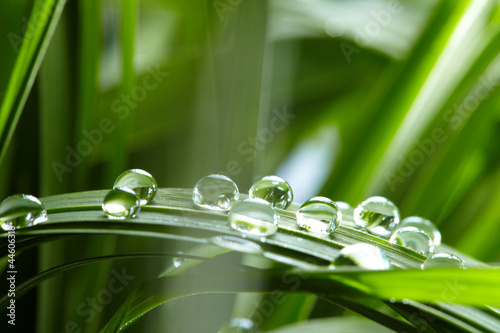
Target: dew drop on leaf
pixel 253 216
pixel 238 325
pixel 21 210
pixel 413 239
pixel 216 192
pixel 139 181
pixel 378 215
pixel 236 244
pixel 422 224
pixel 364 255
pixel 121 203
pixel 274 190
pixel 439 260
pixel 320 215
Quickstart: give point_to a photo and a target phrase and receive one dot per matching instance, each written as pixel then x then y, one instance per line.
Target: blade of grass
pixel 45 16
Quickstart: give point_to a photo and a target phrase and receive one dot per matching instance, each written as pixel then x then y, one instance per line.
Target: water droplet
pixel 216 192
pixel 139 181
pixel 21 210
pixel 392 300
pixel 423 224
pixel 364 255
pixel 378 215
pixel 236 244
pixel 239 325
pixel 319 214
pixel 177 261
pixel 121 203
pixel 253 216
pixel 274 190
pixel 439 260
pixel 413 239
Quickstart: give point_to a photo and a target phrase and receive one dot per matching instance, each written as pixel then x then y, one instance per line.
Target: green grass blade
pixel 46 15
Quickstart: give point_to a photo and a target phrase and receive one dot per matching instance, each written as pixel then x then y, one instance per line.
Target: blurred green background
pixel 345 99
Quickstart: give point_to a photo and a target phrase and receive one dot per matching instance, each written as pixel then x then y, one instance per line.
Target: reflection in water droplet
pixel 139 181
pixel 121 203
pixel 236 244
pixel 21 210
pixel 423 224
pixel 216 192
pixel 274 190
pixel 239 325
pixel 364 255
pixel 378 215
pixel 439 260
pixel 177 261
pixel 319 214
pixel 413 239
pixel 253 216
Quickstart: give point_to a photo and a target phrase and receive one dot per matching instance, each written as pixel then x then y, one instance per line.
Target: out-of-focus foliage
pixel 343 98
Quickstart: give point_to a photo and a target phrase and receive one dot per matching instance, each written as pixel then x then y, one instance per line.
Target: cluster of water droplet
pixel 257 216
pixel 377 215
pixel 132 189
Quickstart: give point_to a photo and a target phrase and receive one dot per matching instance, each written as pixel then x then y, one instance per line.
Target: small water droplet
pixel 139 181
pixel 216 192
pixel 413 239
pixel 364 255
pixel 177 261
pixel 378 215
pixel 274 190
pixel 319 214
pixel 236 244
pixel 253 216
pixel 392 300
pixel 239 325
pixel 21 210
pixel 423 224
pixel 405 301
pixel 121 203
pixel 439 260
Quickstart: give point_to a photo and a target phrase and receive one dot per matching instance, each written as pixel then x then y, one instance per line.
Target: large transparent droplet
pixel 274 190
pixel 423 224
pixel 21 210
pixel 253 216
pixel 439 260
pixel 139 181
pixel 236 244
pixel 239 325
pixel 364 255
pixel 378 215
pixel 177 261
pixel 216 192
pixel 121 203
pixel 319 214
pixel 413 239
